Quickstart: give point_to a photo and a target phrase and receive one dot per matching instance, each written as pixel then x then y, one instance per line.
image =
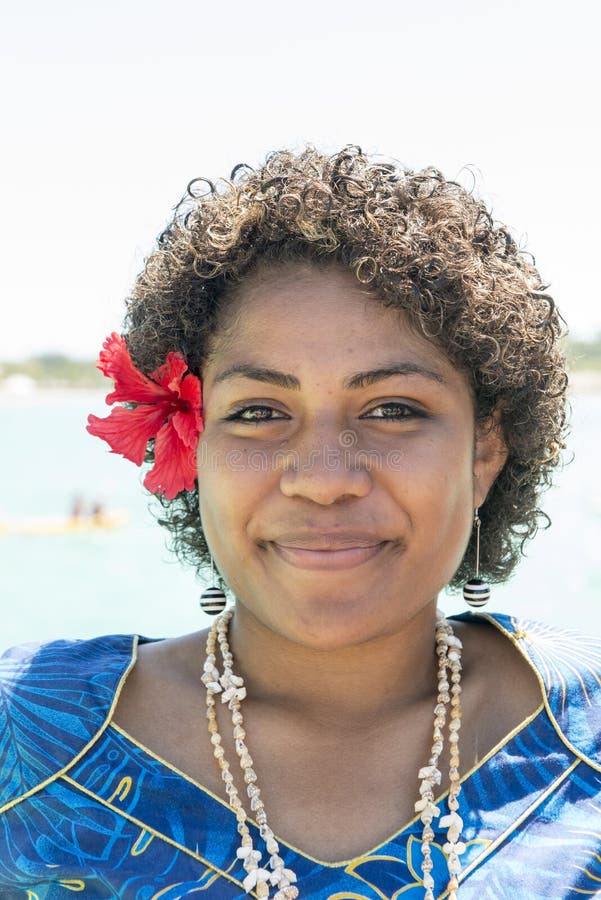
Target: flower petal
pixel 130 384
pixel 170 374
pixel 174 468
pixel 127 431
pixel 191 390
pixel 188 425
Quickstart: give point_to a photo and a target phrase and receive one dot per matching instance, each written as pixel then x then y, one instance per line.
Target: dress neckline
pixel 391 838
pixel 486 759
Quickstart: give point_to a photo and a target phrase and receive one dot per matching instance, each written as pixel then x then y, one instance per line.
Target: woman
pixel 383 400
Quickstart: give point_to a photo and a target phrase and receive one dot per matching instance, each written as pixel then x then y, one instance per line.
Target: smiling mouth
pixel 342 557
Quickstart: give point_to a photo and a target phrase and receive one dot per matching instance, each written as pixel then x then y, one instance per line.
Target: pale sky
pixel 110 107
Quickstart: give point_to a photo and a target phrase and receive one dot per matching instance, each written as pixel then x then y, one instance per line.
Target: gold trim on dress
pixel 368 853
pixel 91 742
pixel 147 828
pixel 515 824
pixel 590 762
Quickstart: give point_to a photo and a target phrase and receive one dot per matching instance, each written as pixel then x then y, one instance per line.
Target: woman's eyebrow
pixel 365 379
pixel 258 373
pixel 358 380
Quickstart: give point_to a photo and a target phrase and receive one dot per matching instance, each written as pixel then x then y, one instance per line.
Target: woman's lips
pixel 339 558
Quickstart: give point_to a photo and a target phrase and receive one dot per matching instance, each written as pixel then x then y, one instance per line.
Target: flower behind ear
pixel 169 409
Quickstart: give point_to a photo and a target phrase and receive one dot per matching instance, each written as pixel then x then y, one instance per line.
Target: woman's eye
pixel 394 411
pixel 254 414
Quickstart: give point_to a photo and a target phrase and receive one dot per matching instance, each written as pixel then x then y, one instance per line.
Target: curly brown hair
pixel 421 244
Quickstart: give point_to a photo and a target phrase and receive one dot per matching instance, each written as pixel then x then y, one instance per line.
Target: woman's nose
pixel 324 466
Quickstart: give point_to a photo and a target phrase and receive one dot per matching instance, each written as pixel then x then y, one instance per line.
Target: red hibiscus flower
pixel 169 409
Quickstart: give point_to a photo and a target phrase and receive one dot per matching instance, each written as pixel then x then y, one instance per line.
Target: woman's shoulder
pixel 55 699
pixel 567 664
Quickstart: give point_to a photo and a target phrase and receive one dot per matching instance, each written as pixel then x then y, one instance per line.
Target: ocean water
pixel 78 584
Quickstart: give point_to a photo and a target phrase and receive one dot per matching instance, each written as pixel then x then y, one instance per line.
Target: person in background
pixel 76 508
pixel 98 513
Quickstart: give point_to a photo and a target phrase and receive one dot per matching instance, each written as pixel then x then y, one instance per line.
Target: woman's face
pixel 339 468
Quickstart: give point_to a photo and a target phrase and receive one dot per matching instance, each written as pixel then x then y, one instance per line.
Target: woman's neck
pixel 359 684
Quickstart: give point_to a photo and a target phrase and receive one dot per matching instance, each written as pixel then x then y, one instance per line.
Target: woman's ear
pixel 489 457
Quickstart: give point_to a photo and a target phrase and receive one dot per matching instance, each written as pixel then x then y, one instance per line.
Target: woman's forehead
pixel 302 299
pixel 291 322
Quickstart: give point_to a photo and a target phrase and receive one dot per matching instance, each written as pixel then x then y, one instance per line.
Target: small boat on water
pixel 63 524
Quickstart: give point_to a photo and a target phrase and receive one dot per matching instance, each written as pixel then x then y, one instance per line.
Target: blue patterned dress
pixel 86 809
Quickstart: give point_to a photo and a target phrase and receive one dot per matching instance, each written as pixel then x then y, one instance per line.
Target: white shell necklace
pixel 261 879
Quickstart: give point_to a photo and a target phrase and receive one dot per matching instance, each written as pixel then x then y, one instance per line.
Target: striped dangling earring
pixel 212 600
pixel 476 591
